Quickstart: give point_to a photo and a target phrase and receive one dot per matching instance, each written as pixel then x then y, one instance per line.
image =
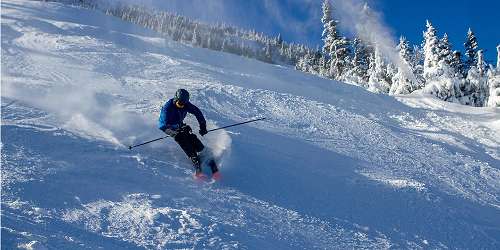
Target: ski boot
pixel 198 174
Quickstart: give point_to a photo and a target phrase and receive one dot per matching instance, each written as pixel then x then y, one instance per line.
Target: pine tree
pixel 358 74
pixel 339 57
pixel 471 48
pixel 431 53
pixel 328 27
pixel 498 57
pixel 494 84
pixel 417 63
pixel 477 81
pixel 440 78
pixel 279 40
pixel 403 82
pixel 445 51
pixel 267 52
pixel 336 47
pixel 457 64
pixel 481 64
pixel 305 63
pixel 195 40
pixel 378 74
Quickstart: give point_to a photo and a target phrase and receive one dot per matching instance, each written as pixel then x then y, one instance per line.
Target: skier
pixel 171 122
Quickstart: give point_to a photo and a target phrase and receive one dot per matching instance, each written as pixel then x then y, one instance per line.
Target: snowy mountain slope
pixel 333 166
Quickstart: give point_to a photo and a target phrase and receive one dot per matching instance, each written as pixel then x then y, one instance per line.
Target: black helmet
pixel 182 96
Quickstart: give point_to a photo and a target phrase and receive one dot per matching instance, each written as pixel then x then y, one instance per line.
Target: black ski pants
pixel 189 143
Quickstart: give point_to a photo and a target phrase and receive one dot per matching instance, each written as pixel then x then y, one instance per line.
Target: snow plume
pixel 365 23
pixel 82 109
pixel 219 142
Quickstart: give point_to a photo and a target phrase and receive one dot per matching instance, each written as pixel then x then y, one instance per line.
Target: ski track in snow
pixel 77 86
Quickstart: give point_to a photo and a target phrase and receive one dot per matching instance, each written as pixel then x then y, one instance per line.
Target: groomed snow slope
pixel 332 166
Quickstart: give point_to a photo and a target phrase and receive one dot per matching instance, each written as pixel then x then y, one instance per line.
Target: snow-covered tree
pixel 498 57
pixel 279 40
pixel 481 64
pixel 403 82
pixel 494 83
pixel 441 79
pixel 268 52
pixel 431 53
pixel 457 65
pixel 329 27
pixel 494 86
pixel 339 57
pixel 445 51
pixel 305 63
pixel 358 72
pixel 417 63
pixel 378 73
pixel 445 85
pixel 195 40
pixel 335 46
pixel 471 49
pixel 476 78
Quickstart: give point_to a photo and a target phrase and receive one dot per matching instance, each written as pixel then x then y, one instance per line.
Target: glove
pixel 170 132
pixel 203 131
pixel 185 128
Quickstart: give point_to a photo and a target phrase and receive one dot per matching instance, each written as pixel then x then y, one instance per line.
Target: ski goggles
pixel 179 104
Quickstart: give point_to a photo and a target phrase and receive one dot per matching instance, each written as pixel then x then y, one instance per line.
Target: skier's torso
pixel 171 115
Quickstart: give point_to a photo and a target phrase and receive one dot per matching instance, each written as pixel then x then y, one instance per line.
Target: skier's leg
pixel 207 156
pixel 213 166
pixel 184 140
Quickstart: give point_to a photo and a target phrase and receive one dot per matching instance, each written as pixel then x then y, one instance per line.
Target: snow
pixel 332 166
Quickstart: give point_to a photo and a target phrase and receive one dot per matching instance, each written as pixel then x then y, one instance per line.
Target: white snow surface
pixel 332 167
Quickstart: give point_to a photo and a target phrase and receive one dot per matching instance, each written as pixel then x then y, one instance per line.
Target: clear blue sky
pixel 299 20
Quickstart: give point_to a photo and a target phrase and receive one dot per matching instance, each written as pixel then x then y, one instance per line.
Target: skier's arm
pixel 199 116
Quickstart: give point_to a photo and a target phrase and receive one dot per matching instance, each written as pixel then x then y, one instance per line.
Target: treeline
pixel 432 67
pixel 220 37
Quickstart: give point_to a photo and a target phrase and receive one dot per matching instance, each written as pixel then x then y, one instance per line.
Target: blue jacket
pixel 172 117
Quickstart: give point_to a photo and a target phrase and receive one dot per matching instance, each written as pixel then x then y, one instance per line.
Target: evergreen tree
pixel 339 57
pixel 445 51
pixel 457 64
pixel 440 78
pixel 481 64
pixel 305 63
pixel 378 74
pixel 336 47
pixel 267 52
pixel 405 51
pixel 196 40
pixel 417 63
pixel 360 62
pixel 329 30
pixel 498 57
pixel 431 53
pixel 471 48
pixel 279 40
pixel 403 82
pixel 477 80
pixel 494 85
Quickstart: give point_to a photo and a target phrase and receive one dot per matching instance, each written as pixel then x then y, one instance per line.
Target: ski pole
pixel 157 139
pixel 254 120
pixel 161 138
